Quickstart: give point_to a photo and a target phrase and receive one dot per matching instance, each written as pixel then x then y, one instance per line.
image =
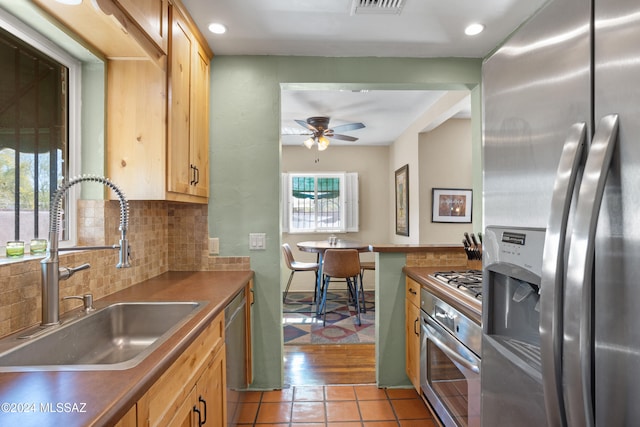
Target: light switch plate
pixel 214 246
pixel 257 241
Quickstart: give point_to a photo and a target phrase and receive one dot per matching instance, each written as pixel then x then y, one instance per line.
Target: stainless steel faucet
pixel 52 273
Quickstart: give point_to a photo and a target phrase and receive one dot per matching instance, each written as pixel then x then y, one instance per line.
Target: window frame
pixel 40 42
pixel 348 200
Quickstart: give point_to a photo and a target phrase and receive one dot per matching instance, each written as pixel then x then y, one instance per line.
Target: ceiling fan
pixel 321 132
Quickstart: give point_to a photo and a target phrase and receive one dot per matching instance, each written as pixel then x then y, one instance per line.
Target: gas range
pixel 467 281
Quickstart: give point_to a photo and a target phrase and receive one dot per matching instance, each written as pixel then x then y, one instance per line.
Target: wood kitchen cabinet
pixel 412 332
pixel 136 137
pixel 116 28
pixel 195 382
pixel 249 345
pixel 158 119
pixel 150 15
pixel 205 401
pixel 157 65
pixel 129 419
pixel 188 112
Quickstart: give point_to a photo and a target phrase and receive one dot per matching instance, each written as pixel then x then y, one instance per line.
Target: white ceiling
pixel 385 113
pixel 423 29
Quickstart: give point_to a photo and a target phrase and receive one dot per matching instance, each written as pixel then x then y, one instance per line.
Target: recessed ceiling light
pixel 217 28
pixel 474 29
pixel 71 2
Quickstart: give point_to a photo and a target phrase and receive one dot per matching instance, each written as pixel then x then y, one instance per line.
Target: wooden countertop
pixel 88 398
pixel 390 248
pixel 466 304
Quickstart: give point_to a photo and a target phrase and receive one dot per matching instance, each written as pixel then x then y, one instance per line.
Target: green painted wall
pixel 245 160
pixel 390 320
pixel 93 127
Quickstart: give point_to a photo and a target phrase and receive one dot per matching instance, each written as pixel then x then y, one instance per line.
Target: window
pixel 36 95
pixel 320 202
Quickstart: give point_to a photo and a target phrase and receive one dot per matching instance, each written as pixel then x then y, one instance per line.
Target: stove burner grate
pixel 469 281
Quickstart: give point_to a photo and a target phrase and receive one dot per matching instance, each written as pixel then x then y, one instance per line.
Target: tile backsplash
pixel 163 236
pixel 453 257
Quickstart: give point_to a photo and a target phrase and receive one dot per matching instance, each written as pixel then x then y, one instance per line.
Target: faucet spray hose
pixel 56 202
pixel 51 272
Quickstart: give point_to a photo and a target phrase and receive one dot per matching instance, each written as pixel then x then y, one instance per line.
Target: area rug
pixel 301 325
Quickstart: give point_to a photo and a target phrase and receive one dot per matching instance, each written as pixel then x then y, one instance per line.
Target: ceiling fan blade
pixel 306 125
pixel 342 137
pixel 348 127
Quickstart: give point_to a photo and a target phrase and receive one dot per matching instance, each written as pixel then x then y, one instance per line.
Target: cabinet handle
pixel 193 174
pixel 197 177
pixel 415 322
pixel 204 402
pixel 411 291
pixel 197 411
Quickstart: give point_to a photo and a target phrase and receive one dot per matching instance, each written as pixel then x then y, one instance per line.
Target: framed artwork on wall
pixel 451 205
pixel 402 201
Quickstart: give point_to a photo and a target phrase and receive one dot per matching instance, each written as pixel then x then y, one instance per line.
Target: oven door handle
pixel 432 330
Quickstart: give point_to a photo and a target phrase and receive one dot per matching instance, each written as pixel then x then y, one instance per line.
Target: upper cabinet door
pixel 153 18
pixel 188 143
pixel 180 171
pixel 199 150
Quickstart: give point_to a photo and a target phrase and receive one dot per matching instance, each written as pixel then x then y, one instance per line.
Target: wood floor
pixel 329 364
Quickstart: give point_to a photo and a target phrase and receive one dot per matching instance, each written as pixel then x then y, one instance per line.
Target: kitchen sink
pixel 115 337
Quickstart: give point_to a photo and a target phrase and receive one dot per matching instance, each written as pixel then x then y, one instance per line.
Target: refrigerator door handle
pixel 577 344
pixel 552 278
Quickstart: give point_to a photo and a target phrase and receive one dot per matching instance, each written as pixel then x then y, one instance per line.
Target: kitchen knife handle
pixel 577 345
pixel 552 277
pixel 477 250
pixel 467 249
pixel 468 239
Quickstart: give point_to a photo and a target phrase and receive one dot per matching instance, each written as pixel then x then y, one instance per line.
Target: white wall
pixel 445 162
pixel 405 151
pixel 372 165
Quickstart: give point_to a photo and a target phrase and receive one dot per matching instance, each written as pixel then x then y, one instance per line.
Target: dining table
pixel 320 246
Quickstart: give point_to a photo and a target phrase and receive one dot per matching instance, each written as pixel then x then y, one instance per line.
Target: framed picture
pixel 402 201
pixel 451 205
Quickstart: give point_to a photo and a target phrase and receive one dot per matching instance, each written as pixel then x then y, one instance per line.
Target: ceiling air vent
pixel 393 7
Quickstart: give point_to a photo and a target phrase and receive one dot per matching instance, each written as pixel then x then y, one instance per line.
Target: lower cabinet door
pixel 212 392
pixel 412 332
pixel 185 416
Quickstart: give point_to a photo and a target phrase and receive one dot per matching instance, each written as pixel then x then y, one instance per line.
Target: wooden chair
pixel 341 264
pixel 294 266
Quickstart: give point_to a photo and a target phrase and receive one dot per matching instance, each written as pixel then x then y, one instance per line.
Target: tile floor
pixel 334 406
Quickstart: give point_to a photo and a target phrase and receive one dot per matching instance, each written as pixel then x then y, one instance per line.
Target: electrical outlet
pixel 257 241
pixel 214 246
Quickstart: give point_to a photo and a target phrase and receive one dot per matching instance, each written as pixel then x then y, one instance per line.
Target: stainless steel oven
pixel 450 362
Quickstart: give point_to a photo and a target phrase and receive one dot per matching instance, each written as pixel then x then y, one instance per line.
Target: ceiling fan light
pixel 323 143
pixel 308 143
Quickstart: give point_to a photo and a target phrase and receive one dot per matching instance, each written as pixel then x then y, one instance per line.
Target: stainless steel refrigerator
pixel 562 154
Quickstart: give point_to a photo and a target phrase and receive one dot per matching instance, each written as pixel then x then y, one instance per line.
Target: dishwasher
pixel 235 343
